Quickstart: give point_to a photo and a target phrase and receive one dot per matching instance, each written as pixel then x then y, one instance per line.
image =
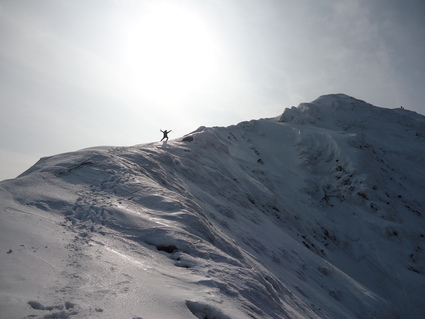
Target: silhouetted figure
pixel 165 134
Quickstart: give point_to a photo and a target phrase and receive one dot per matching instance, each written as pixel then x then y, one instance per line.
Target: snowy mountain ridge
pixel 318 213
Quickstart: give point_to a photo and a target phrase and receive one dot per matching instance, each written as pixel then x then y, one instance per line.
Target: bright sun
pixel 173 54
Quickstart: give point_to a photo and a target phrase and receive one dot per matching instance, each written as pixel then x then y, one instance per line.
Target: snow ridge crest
pixel 319 214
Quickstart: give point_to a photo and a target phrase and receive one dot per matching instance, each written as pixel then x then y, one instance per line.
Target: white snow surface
pixel 318 213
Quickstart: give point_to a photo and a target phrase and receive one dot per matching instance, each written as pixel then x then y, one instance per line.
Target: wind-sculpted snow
pixel 315 214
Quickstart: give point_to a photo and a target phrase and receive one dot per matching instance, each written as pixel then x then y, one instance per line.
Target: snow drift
pixel 318 213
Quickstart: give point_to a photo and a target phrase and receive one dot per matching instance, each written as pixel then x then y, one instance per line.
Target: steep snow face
pixel 315 214
pixel 367 176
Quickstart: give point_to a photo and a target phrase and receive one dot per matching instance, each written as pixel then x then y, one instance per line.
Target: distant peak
pixel 337 99
pixel 323 108
pixel 341 111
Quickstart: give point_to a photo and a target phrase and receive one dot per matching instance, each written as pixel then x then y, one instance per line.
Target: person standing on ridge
pixel 165 134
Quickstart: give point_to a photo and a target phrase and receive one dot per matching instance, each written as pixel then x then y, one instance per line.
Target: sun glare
pixel 173 54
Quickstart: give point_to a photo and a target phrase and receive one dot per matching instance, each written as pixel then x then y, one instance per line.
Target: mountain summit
pixel 317 213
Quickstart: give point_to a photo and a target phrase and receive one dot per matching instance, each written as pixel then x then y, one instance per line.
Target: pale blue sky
pixel 83 73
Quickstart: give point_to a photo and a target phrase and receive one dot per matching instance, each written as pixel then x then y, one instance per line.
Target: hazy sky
pixel 83 73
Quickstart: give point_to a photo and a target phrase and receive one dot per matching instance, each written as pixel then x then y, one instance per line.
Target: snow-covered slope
pixel 318 213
